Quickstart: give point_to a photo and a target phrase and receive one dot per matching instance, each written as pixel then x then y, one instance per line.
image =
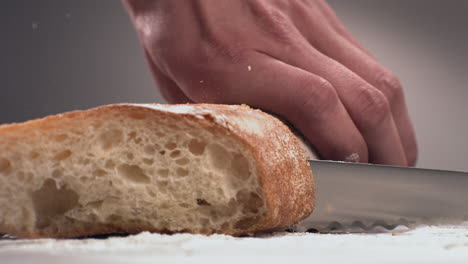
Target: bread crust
pixel 284 174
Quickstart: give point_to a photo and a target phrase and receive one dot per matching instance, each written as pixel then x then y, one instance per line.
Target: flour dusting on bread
pixel 161 168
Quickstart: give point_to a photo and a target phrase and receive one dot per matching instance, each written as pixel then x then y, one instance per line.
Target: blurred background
pixel 62 55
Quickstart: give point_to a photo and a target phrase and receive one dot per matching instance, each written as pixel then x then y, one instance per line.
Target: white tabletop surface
pixel 425 244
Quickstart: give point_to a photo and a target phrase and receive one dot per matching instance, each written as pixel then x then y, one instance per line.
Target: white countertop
pixel 425 244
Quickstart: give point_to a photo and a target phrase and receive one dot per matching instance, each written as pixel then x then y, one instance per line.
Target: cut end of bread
pixel 132 168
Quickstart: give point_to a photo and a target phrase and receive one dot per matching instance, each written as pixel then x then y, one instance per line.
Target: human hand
pixel 292 58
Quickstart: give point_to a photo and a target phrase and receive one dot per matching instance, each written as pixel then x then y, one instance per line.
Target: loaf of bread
pixel 129 168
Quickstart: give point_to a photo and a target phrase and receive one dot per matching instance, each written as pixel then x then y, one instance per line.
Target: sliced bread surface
pixel 129 168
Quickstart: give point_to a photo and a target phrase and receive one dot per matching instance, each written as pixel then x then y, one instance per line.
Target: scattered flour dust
pixel 425 244
pixel 354 157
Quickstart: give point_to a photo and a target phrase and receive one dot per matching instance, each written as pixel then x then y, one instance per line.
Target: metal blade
pixel 359 197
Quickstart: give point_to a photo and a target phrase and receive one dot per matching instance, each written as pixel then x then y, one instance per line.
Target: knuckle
pixel 373 106
pixel 274 22
pixel 223 48
pixel 317 96
pixel 390 86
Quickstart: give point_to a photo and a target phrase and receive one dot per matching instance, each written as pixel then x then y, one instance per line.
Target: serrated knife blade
pixel 359 197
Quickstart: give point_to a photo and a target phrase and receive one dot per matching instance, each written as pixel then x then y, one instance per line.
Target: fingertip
pixel 412 155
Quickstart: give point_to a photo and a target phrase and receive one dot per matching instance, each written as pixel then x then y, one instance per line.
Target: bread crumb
pixel 202 81
pixel 354 157
pixel 450 245
pixel 249 68
pixel 329 208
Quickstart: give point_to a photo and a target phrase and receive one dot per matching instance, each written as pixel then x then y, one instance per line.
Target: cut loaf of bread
pixel 129 168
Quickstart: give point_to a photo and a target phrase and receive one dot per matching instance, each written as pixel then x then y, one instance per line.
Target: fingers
pixel 370 110
pixel 340 49
pixel 326 86
pixel 340 45
pixel 137 10
pixel 308 101
pixel 367 106
pixel 168 88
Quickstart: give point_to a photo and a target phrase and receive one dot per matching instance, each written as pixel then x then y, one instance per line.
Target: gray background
pixel 60 55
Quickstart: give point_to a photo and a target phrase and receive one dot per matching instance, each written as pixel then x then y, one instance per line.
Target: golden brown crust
pixel 284 175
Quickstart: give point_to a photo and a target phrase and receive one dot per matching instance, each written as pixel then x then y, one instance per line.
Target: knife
pixel 356 197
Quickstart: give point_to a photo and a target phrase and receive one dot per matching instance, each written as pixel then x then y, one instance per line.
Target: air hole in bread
pixel 245 222
pixel 253 203
pixel 51 202
pixel 240 167
pixel 131 136
pixel 61 137
pixel 110 164
pixel 99 173
pixel 5 166
pixel 184 205
pixel 34 155
pixel 148 161
pixel 196 147
pixel 63 155
pixel 163 172
pixel 132 173
pixel 84 179
pixel 85 161
pixel 226 211
pixel 214 215
pixel 220 191
pixel 219 156
pixel 162 152
pixel 182 172
pixel 183 161
pixel 225 226
pixel 162 186
pixel 242 196
pixel 204 222
pixel 29 176
pixel 170 145
pixel 114 218
pixel 202 202
pixel 150 192
pixel 130 156
pixel 149 150
pixel 57 173
pixel 110 139
pixel 158 132
pixel 20 175
pixel 90 218
pixel 175 154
